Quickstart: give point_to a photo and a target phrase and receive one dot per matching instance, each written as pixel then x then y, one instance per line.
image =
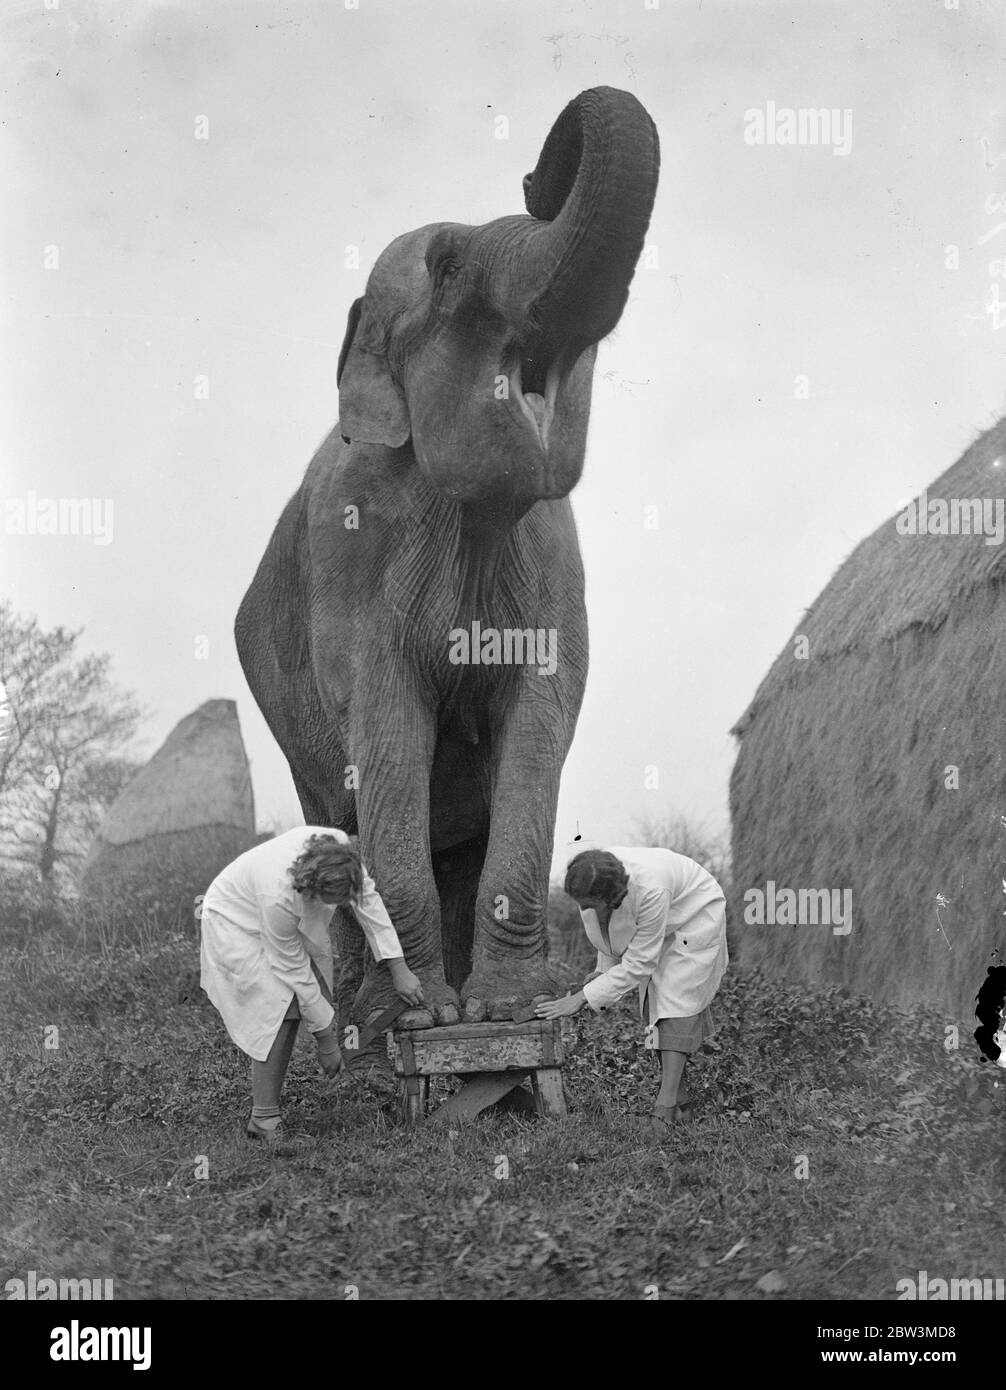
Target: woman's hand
pixel 560 1008
pixel 406 984
pixel 329 1054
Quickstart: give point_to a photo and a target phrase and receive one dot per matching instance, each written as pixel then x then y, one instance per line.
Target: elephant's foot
pixel 494 988
pixel 441 1004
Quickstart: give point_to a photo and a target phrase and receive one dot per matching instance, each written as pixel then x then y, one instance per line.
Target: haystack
pixel 185 815
pixel 873 757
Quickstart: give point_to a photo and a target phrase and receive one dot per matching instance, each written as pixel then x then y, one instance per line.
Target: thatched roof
pixel 877 765
pixel 198 777
pixel 893 582
pixel 182 818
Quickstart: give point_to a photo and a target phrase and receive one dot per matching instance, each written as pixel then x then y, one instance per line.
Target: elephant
pixel 433 517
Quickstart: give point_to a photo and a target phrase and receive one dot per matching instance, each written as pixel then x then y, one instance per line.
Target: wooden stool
pixel 495 1057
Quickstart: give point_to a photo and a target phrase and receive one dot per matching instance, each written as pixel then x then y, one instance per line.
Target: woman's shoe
pixel 278 1137
pixel 665 1117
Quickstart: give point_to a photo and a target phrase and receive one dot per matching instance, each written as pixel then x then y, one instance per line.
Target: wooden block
pixel 480 1091
pixel 453 1031
pixel 548 1092
pixel 415 1094
pixel 406 1053
pixel 479 1047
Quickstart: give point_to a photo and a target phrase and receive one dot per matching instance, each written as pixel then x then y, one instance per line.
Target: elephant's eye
pixel 447 269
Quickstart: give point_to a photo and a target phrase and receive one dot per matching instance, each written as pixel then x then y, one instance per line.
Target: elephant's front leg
pixel 509 954
pixel 393 752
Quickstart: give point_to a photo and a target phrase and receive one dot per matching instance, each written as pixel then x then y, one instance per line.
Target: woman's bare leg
pixel 672 1070
pixel 267 1076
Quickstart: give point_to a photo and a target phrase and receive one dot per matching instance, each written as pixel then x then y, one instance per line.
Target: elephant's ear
pixel 372 407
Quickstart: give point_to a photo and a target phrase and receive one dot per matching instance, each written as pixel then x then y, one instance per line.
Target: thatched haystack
pixel 185 815
pixel 845 776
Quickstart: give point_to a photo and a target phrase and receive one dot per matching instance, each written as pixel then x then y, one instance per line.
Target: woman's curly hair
pixel 326 865
pixel 596 873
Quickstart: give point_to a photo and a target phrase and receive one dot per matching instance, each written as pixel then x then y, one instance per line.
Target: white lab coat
pixel 668 938
pixel 259 937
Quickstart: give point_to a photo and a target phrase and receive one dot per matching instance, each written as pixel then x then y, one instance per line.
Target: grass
pixel 125 1156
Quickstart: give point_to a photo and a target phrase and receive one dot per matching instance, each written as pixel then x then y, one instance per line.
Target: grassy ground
pixel 125 1156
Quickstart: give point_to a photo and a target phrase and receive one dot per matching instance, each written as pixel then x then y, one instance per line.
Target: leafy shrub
pixel 66 983
pixel 157 881
pixel 28 911
pixel 570 954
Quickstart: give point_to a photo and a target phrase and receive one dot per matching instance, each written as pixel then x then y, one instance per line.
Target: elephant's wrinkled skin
pixel 439 499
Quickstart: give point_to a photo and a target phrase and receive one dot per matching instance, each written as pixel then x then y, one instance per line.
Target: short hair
pixel 596 873
pixel 326 865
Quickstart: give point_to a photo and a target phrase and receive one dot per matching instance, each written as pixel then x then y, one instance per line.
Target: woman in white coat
pixel 267 955
pixel 658 921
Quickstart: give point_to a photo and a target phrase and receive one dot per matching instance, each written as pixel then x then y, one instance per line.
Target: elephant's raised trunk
pixel 593 186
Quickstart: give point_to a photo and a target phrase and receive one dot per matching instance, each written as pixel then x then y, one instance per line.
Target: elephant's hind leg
pixel 457 872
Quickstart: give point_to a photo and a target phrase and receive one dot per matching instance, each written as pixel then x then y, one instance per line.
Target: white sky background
pixel 330 127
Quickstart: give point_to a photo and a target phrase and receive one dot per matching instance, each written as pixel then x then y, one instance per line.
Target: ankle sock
pixel 267 1117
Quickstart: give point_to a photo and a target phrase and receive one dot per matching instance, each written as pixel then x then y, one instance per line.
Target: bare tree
pixel 28 656
pixel 63 734
pixel 670 829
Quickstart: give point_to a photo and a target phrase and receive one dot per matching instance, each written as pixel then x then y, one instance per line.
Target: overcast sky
pixel 328 127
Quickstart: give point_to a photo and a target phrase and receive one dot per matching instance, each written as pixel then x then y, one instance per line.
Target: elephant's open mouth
pixel 534 387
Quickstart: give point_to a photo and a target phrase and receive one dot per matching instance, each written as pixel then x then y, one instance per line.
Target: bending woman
pixel 267 955
pixel 658 921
